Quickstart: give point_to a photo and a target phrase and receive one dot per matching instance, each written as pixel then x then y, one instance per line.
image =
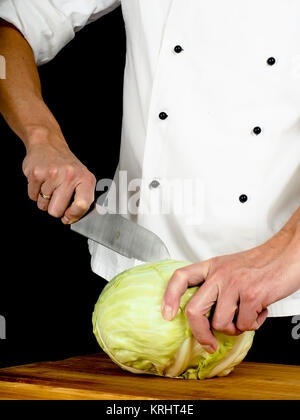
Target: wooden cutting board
pixel 96 377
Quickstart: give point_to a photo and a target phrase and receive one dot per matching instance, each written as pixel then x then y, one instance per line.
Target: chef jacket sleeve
pixel 48 25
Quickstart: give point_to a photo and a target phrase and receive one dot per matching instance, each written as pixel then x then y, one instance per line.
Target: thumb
pixel 184 277
pixel 83 198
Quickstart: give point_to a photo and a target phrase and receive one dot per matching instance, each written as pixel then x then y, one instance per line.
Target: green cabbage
pixel 129 327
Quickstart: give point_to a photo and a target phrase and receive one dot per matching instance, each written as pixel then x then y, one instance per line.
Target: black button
pixel 243 198
pixel 257 130
pixel 271 61
pixel 163 116
pixel 178 49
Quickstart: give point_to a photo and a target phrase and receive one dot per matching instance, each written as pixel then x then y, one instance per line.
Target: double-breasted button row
pixel 243 198
pixel 177 49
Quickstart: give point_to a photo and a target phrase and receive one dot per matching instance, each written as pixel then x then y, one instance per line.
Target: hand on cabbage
pixel 130 328
pixel 240 286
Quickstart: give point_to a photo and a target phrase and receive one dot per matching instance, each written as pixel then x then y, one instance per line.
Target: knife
pixel 121 235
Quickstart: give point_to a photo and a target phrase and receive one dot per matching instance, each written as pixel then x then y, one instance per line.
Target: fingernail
pixel 168 313
pixel 65 220
pixel 208 348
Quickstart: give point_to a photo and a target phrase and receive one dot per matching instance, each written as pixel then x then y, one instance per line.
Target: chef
pixel 212 96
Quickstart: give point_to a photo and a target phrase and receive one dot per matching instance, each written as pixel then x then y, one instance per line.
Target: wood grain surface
pixel 96 377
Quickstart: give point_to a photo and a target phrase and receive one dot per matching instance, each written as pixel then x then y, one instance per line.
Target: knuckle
pixel 36 173
pixel 249 296
pixel 220 272
pixel 179 274
pixel 82 205
pixel 225 329
pixel 246 324
pixel 25 165
pixel 190 311
pixel 232 282
pixel 42 207
pixel 54 212
pixel 70 172
pixel 215 261
pixel 52 171
pixel 26 170
pixel 243 326
pixel 92 178
pixel 32 196
pixel 218 324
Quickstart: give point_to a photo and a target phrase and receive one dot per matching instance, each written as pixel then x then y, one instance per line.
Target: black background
pixel 47 289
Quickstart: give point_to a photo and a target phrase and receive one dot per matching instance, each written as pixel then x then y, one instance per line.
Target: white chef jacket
pixel 231 102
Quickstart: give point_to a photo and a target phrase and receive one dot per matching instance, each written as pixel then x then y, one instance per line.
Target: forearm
pixel 290 255
pixel 280 256
pixel 278 243
pixel 293 223
pixel 49 166
pixel 21 102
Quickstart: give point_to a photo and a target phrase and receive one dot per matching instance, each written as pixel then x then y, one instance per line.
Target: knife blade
pixel 121 235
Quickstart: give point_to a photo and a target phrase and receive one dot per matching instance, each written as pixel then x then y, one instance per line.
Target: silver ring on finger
pixel 45 197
